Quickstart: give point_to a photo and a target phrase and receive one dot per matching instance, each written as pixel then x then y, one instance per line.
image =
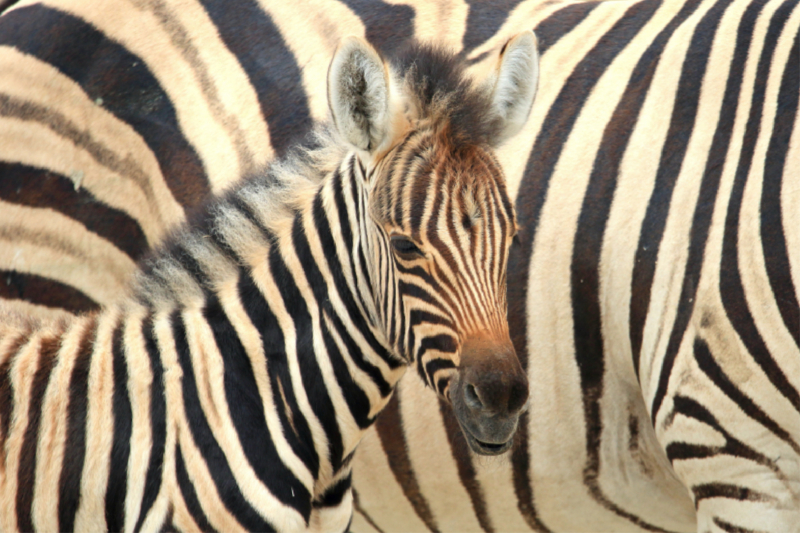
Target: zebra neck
pixel 294 276
pixel 372 269
pixel 338 274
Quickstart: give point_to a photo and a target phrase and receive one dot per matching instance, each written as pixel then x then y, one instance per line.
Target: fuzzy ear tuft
pixel 516 79
pixel 358 94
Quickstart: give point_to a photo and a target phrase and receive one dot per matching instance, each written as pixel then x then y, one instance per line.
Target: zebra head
pixel 425 135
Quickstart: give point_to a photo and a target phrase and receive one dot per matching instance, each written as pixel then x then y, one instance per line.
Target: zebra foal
pixel 229 389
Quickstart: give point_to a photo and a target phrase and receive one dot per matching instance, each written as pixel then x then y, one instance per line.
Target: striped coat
pixel 657 250
pixel 229 389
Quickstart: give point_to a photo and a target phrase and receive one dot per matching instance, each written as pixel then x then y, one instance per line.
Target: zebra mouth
pixel 487 448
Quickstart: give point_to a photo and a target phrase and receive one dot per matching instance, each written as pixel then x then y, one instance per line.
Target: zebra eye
pixel 405 247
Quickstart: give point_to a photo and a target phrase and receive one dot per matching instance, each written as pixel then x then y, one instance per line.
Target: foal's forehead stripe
pixel 424 179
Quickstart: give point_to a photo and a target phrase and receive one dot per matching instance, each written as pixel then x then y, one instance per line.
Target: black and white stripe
pixel 229 388
pixel 656 248
pixel 206 401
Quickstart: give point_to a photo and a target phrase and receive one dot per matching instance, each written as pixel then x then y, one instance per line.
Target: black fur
pixel 437 77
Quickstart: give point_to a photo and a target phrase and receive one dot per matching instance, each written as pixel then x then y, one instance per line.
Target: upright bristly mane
pixel 441 93
pixel 227 229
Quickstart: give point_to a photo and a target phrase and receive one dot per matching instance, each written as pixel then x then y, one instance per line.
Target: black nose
pixel 494 383
pixel 495 392
pixel 489 393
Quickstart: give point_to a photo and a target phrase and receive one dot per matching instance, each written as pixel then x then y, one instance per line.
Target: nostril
pixel 471 397
pixel 518 396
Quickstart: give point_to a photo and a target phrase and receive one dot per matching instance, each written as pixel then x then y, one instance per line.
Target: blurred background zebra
pixel 652 287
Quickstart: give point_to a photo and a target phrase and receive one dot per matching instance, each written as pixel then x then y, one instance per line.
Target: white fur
pixel 515 83
pixel 361 113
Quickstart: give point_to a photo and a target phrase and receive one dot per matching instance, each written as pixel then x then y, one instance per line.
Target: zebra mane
pixel 435 82
pixel 222 234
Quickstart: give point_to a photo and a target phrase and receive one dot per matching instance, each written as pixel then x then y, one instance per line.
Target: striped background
pixel 655 187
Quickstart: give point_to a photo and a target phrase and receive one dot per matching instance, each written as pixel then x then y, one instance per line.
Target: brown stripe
pixel 42 291
pixel 733 492
pixel 43 189
pixel 466 470
pixel 730 528
pixel 18 233
pixel 26 475
pixel 389 426
pixel 520 459
pixel 83 139
pixel 183 42
pixel 360 510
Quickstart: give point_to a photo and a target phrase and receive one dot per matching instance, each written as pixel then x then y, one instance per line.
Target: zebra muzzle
pixel 489 393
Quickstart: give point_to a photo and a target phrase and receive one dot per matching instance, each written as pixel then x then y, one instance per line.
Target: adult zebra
pixel 657 258
pixel 229 390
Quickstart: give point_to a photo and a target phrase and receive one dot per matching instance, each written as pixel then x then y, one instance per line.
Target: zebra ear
pixel 358 94
pixel 515 81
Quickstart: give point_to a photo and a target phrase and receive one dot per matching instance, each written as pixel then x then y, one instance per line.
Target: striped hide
pixel 652 284
pixel 229 388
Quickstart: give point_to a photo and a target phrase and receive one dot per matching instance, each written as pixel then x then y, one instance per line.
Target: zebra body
pixel 660 156
pixel 213 422
pixel 230 388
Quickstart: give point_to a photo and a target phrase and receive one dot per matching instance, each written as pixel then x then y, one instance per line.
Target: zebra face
pixel 450 224
pixel 424 134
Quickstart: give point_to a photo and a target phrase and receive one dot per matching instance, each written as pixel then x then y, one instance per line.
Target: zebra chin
pixel 489 393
